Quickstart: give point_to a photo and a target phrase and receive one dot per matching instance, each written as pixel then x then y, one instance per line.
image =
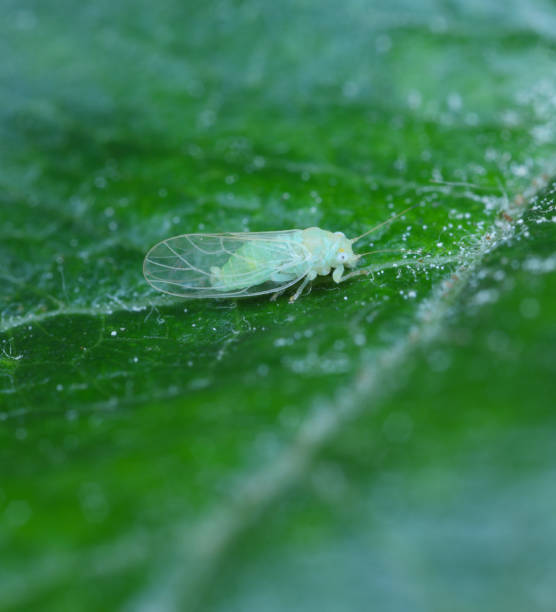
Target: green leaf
pixel 387 442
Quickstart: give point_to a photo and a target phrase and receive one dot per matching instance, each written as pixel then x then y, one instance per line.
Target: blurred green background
pixel 384 444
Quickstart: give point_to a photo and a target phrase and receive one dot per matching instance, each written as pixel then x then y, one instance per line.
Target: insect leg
pixel 276 295
pixel 337 274
pixel 280 277
pixel 352 274
pixel 308 278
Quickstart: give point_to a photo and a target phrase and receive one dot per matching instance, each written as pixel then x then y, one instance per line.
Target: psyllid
pixel 245 264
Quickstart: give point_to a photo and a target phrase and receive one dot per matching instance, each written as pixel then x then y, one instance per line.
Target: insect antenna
pixel 389 251
pixel 384 223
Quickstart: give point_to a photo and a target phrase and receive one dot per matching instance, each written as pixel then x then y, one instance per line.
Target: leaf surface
pixel 387 440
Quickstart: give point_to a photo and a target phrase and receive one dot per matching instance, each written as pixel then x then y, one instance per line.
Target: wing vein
pixel 185 261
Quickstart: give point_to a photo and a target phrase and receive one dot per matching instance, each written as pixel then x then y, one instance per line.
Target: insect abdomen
pixel 248 266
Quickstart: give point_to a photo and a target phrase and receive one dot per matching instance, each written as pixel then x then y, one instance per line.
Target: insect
pixel 245 264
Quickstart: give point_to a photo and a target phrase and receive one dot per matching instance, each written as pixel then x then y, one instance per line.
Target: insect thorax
pixel 322 244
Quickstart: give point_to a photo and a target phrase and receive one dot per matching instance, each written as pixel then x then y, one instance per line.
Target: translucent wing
pixel 227 265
